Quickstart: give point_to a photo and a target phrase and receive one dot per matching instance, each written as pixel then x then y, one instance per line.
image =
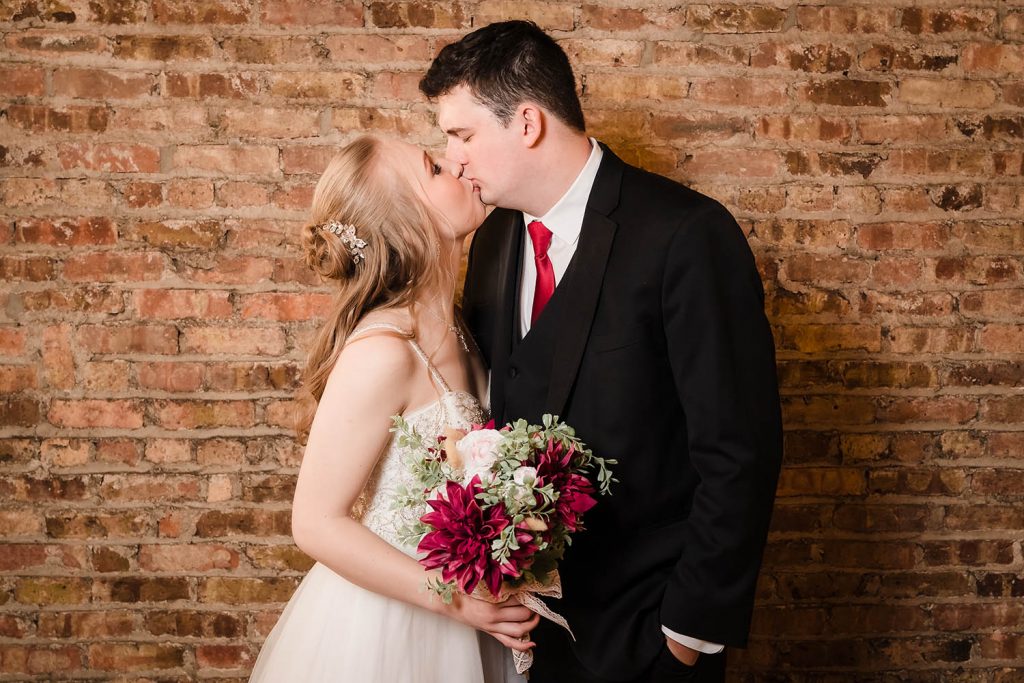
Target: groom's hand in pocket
pixel 686 655
pixel 509 622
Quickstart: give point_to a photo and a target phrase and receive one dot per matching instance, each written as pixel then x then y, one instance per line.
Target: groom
pixel 630 306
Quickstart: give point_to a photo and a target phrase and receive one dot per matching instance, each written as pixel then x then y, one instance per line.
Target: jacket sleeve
pixel 475 299
pixel 723 362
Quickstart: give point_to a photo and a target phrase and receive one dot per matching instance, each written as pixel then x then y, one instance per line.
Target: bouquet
pixel 503 505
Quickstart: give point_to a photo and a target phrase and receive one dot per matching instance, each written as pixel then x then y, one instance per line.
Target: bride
pixel 388 223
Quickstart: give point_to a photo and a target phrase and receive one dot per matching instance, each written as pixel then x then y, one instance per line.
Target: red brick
pixel 285 306
pixel 196 624
pixel 804 128
pixel 818 410
pixel 984 517
pixel 382 48
pixel 115 266
pixel 123 414
pixel 203 414
pixel 741 163
pixel 923 20
pixel 70 119
pixel 737 91
pixel 279 557
pixel 19 411
pixel 87 624
pixel 227 159
pixel 266 122
pixel 67 232
pixel 252 376
pixel 109 158
pixel 42 43
pixel 22 81
pixel 612 18
pixel 190 193
pixel 182 303
pixel 907 339
pixel 181 234
pixel 233 340
pixel 312 13
pixel 163 48
pixel 160 339
pixel 201 11
pixel 946 92
pixel 842 20
pixel 115 85
pixel 307 159
pixel 17 378
pixel 248 522
pixel 172 376
pixel 814 58
pixel 26 268
pixel 735 19
pixel 246 591
pixel 237 85
pixel 423 14
pixel 58 359
pixel 318 85
pixel 74 299
pixel 136 488
pixel 847 93
pixel 191 558
pixel 232 270
pixel 236 194
pixel 134 657
pixel 275 49
pixel 550 16
pixel 164 451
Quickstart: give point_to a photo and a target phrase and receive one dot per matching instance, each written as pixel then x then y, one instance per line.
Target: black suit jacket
pixel 656 349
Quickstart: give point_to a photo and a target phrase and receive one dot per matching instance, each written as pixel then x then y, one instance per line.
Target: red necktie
pixel 541 238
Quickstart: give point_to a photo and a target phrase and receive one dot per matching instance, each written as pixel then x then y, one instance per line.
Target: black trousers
pixel 554 663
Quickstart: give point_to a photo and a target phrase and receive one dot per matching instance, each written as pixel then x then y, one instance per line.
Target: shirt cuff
pixel 693 643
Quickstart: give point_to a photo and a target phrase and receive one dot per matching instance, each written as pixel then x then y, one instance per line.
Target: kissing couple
pixel 620 300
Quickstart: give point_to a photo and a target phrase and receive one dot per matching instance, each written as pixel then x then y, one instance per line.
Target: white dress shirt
pixel 565 220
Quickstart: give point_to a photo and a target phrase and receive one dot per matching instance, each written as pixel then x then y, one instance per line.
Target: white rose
pixel 479 451
pixel 524 478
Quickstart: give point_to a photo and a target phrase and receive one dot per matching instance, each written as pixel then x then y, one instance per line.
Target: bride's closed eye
pixel 435 167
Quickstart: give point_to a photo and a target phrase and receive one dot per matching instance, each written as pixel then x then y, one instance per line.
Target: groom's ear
pixel 530 121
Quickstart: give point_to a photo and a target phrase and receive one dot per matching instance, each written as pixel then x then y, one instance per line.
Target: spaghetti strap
pixel 434 372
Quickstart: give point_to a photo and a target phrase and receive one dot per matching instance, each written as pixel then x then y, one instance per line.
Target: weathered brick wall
pixel 157 157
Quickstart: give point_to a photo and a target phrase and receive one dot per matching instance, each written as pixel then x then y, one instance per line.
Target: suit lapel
pixel 583 282
pixel 505 308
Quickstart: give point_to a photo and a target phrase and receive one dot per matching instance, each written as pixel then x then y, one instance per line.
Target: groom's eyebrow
pixel 456 131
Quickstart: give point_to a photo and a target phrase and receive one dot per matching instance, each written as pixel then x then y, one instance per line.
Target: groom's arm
pixel 723 362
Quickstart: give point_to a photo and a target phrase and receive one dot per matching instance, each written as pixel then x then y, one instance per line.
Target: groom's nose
pixel 453 151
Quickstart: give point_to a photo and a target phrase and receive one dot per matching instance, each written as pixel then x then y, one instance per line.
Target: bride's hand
pixel 509 622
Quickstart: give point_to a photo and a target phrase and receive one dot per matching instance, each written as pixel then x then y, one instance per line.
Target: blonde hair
pixel 399 260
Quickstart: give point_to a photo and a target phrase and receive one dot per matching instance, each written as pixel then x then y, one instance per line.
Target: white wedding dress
pixel 335 631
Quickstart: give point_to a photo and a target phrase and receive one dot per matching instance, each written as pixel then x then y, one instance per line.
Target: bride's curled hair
pixel 361 187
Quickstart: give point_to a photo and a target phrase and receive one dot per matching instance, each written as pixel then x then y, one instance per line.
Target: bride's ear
pixel 531 121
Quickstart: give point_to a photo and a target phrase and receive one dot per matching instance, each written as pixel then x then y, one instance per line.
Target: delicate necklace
pixel 455 329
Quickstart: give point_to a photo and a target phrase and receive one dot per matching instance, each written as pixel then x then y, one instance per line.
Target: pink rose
pixel 479 451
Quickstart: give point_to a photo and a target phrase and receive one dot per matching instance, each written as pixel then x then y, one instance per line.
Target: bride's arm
pixel 368 384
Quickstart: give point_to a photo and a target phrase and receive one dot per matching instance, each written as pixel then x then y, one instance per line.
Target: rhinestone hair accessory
pixel 347 233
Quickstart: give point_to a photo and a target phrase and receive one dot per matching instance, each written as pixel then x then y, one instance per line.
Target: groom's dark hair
pixel 505 64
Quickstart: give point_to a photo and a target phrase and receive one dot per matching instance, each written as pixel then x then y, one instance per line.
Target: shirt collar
pixel 565 218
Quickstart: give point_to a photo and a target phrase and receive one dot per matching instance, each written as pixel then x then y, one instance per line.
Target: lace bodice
pixel 376 507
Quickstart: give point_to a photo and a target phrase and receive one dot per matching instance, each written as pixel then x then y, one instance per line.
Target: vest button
pixel 513 371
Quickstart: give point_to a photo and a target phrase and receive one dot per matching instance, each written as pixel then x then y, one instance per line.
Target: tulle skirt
pixel 335 631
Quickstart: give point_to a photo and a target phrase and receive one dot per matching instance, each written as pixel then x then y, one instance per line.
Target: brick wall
pixel 158 156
